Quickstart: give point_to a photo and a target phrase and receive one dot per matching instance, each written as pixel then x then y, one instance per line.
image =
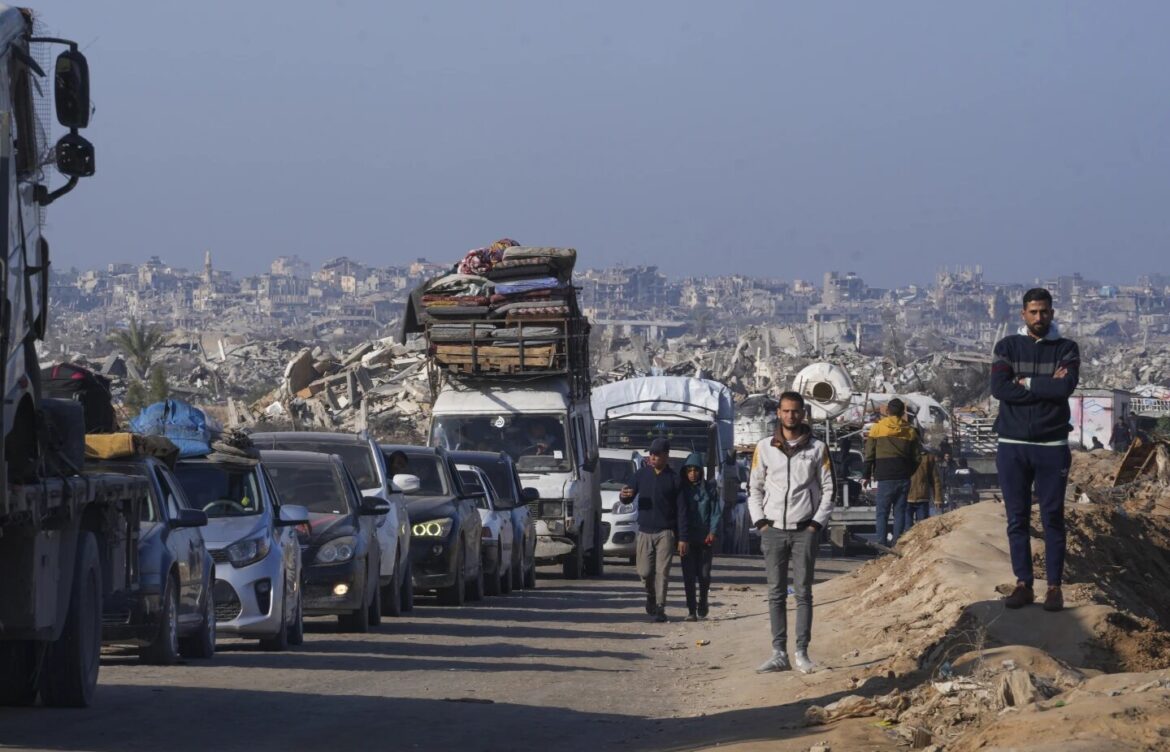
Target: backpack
pixel 92 390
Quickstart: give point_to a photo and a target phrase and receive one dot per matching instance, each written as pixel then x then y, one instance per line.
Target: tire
pixel 455 594
pixel 530 576
pixel 70 669
pixel 407 589
pixel 595 564
pixel 517 570
pixel 296 630
pixel 163 650
pixel 574 563
pixel 19 661
pixel 491 581
pixel 507 577
pixel 278 642
pixel 475 588
pixel 374 611
pixel 392 596
pixel 202 643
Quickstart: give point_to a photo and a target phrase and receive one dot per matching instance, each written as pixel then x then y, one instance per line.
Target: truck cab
pixel 549 433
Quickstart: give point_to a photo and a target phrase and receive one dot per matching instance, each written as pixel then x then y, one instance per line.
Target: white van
pixel 550 435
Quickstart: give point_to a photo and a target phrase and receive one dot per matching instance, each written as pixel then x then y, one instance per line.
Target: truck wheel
pixel 18 672
pixel 455 593
pixel 595 564
pixel 573 563
pixel 492 580
pixel 70 670
pixel 392 596
pixel 202 643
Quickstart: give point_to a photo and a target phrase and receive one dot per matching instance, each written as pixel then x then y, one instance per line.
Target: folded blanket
pixel 562 260
pixel 534 295
pixel 459 332
pixel 460 284
pixel 514 332
pixel 515 287
pixel 458 310
pixel 546 311
pixel 431 301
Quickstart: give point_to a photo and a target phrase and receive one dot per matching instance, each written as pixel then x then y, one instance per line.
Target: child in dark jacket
pixel 704 512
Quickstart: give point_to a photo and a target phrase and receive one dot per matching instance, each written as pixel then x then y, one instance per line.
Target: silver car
pixel 254 544
pixel 619 520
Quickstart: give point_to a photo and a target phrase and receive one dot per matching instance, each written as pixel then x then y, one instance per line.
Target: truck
pixel 513 375
pixel 695 415
pixel 68 540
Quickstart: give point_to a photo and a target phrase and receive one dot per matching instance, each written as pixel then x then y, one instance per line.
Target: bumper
pixel 249 601
pixel 321 581
pixel 623 529
pixel 553 547
pixel 432 562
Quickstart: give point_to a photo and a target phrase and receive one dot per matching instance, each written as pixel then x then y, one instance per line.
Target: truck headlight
pixel 433 528
pixel 248 551
pixel 337 551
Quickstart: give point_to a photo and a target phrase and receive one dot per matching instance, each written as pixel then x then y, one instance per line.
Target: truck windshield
pixel 637 433
pixel 535 442
pixel 220 491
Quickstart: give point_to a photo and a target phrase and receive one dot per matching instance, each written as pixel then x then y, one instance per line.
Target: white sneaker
pixel 803 664
pixel 778 662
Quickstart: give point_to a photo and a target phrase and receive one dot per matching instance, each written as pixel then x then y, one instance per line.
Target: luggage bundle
pixel 193 432
pixel 505 309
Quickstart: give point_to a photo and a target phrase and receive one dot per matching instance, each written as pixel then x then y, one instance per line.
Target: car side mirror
pixel 291 515
pixel 530 495
pixel 373 506
pixel 189 518
pixel 406 483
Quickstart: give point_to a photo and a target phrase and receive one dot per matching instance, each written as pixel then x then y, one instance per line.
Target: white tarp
pixel 700 397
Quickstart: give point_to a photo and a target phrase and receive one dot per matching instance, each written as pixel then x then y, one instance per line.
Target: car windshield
pixel 221 491
pixel 316 487
pixel 432 481
pixel 500 475
pixel 535 442
pixel 471 484
pixel 615 473
pixel 356 457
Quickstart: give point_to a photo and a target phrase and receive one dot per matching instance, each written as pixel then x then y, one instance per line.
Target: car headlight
pixel 248 551
pixel 433 528
pixel 336 551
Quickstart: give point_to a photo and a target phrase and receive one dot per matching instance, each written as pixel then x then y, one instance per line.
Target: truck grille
pixel 227 603
pixel 546 509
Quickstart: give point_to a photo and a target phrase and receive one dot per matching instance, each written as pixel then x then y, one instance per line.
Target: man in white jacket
pixel 790 499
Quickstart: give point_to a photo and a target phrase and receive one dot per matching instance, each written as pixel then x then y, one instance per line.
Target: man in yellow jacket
pixel 891 457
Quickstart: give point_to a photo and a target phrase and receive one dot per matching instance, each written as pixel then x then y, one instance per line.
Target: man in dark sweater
pixel 1032 375
pixel 662 524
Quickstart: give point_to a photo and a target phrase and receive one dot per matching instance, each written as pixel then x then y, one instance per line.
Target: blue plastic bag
pixel 185 425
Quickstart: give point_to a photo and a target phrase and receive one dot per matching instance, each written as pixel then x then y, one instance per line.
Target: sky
pixel 779 139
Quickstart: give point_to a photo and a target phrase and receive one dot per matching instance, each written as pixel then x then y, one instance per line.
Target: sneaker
pixel 1053 599
pixel 802 662
pixel 691 616
pixel 1021 596
pixel 778 662
pixel 660 614
pixel 651 604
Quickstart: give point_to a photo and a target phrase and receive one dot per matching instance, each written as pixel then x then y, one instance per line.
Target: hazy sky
pixel 772 138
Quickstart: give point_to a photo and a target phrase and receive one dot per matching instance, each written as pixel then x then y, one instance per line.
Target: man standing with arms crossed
pixel 1032 375
pixel 790 500
pixel 662 524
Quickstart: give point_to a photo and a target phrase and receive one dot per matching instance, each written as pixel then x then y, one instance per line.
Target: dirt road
pixel 573 665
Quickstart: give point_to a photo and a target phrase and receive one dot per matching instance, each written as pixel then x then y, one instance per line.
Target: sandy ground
pixel 916 648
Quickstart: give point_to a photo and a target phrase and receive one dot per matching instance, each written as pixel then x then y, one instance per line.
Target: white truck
pixel 696 415
pixel 68 542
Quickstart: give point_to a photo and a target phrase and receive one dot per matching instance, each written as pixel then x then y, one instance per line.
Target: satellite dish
pixel 826 388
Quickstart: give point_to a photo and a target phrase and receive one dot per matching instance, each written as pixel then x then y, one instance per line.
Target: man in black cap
pixel 662 523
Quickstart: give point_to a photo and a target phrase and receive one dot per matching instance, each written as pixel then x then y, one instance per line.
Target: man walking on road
pixel 662 524
pixel 790 498
pixel 891 458
pixel 1032 375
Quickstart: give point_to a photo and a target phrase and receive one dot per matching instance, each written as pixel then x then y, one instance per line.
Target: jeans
pixel 891 496
pixel 655 552
pixel 916 511
pixel 696 565
pixel 1022 469
pixel 780 547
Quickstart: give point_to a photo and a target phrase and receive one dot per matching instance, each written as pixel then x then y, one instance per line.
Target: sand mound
pixel 1092 476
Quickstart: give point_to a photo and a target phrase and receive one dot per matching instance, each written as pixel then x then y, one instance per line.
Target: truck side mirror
pixel 75 156
pixel 71 89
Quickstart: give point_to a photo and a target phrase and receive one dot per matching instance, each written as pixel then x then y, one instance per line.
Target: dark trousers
pixel 1026 470
pixel 916 511
pixel 696 565
pixel 891 497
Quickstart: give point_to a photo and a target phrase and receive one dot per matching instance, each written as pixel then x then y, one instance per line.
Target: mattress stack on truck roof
pixel 504 311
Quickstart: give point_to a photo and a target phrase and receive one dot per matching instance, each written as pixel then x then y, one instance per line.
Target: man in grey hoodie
pixel 790 499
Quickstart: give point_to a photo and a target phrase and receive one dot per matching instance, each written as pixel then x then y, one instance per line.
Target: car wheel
pixel 296 630
pixel 392 596
pixel 163 650
pixel 506 577
pixel 492 580
pixel 455 593
pixel 18 679
pixel 279 641
pixel 374 612
pixel 517 569
pixel 572 564
pixel 202 643
pixel 407 589
pixel 475 587
pixel 70 667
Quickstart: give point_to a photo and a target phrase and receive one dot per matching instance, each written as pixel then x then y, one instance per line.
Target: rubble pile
pixel 1126 367
pixel 1137 482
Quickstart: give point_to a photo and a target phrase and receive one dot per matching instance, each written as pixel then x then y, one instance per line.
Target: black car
pixel 339 553
pixel 174 613
pixel 445 526
pixel 513 497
